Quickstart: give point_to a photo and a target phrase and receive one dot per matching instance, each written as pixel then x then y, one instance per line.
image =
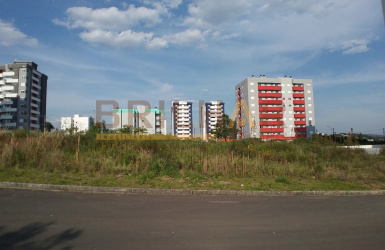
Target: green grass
pixel 313 164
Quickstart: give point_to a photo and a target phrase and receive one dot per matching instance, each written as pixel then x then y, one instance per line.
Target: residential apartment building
pixel 211 112
pixel 80 123
pixel 181 119
pixel 275 108
pixel 23 96
pixel 151 119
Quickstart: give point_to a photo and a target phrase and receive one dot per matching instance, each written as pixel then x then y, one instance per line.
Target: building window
pixel 309 105
pixel 252 98
pixel 309 98
pixel 310 111
pixel 252 90
pixel 251 84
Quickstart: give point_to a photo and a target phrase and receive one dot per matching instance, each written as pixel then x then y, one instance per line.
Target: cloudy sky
pixel 199 50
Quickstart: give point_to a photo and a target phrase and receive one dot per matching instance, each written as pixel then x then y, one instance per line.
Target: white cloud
pixel 110 18
pixel 168 3
pixel 125 39
pixel 351 47
pixel 215 13
pixel 10 36
pixel 268 26
pixel 188 37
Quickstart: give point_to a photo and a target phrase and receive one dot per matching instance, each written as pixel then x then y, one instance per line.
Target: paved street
pixel 64 220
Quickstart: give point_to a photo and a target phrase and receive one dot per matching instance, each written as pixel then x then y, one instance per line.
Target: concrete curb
pixel 149 191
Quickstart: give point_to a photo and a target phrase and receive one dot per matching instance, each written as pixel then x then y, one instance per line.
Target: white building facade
pixel 181 119
pixel 276 108
pixel 79 123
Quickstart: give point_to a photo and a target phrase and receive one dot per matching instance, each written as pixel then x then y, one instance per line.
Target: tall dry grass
pixel 82 153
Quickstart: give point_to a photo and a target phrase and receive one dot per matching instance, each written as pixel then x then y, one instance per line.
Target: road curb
pixel 149 191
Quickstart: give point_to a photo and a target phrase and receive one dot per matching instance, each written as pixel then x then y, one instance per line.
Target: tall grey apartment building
pixel 23 96
pixel 274 108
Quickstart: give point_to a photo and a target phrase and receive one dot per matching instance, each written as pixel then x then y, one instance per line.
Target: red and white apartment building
pixel 275 108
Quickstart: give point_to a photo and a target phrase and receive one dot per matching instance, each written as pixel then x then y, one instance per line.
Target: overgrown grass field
pixel 80 159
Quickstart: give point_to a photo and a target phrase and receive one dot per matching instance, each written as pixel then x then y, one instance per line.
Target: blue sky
pixel 199 50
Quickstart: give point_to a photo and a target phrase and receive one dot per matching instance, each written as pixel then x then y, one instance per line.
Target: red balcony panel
pixel 276 102
pixel 299 109
pixel 299 122
pixel 299 95
pixel 271 130
pixel 271 123
pixel 299 102
pixel 270 116
pixel 299 115
pixel 301 136
pixel 276 109
pixel 298 88
pixel 300 129
pixel 269 88
pixel 239 92
pixel 270 94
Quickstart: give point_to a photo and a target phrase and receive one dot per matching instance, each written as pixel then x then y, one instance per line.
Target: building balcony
pixel 270 116
pixel 8 80
pixel 300 129
pixel 35 99
pixel 7 109
pixel 299 115
pixel 34 125
pixel 7 88
pixel 272 109
pixel 6 102
pixel 298 88
pixel 10 95
pixel 271 88
pixel 35 112
pixel 34 92
pixel 9 124
pixel 299 102
pixel 276 102
pixel 34 105
pixel 2 82
pixel 5 117
pixel 299 109
pixel 271 123
pixel 271 130
pixel 298 95
pixel 278 95
pixel 34 118
pixel 5 74
pixel 36 85
pixel 299 122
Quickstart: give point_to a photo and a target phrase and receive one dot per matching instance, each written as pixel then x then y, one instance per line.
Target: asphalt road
pixel 64 220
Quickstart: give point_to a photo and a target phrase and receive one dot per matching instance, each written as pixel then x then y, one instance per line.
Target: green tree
pixel 126 130
pixel 48 126
pixel 223 130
